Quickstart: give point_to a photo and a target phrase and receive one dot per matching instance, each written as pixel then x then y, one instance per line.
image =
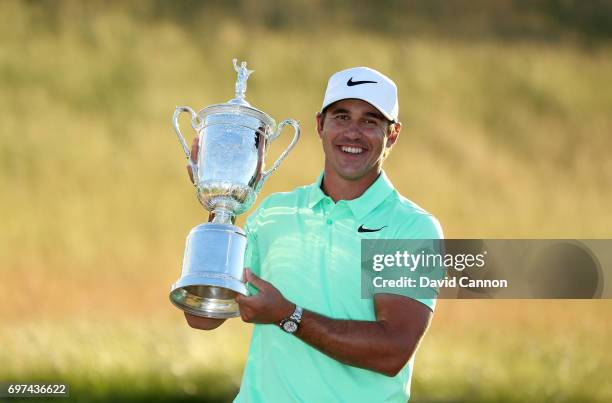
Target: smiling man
pixel 315 338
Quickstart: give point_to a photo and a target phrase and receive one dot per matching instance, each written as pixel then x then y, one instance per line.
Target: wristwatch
pixel 292 323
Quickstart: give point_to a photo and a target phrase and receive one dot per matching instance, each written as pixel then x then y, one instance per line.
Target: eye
pixel 341 117
pixel 370 122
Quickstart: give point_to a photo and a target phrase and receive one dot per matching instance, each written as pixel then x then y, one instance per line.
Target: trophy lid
pixel 239 105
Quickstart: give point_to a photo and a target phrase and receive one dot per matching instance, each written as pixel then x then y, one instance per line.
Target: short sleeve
pixel 425 227
pixel 425 230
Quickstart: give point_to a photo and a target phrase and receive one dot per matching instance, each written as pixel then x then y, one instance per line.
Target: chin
pixel 351 175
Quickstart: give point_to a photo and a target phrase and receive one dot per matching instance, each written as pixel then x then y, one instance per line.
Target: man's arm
pixel 383 346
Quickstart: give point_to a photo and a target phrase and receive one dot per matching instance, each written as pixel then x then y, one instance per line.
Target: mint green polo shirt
pixel 308 247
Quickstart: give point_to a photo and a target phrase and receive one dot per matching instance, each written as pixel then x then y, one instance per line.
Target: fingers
pixel 195 148
pixel 267 306
pixel 190 172
pixel 247 312
pixel 249 304
pixel 253 279
pixel 240 299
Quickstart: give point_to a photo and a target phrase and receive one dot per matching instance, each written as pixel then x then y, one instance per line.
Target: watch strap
pixel 295 319
pixel 296 316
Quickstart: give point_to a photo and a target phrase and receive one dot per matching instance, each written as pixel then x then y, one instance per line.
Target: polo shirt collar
pixel 316 193
pixel 372 197
pixel 364 204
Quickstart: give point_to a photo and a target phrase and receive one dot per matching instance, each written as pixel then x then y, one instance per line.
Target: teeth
pixel 352 150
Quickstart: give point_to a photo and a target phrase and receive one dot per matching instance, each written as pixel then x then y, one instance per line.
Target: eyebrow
pixel 338 110
pixel 368 114
pixel 375 115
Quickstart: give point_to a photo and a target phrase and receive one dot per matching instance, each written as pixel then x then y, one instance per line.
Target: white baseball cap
pixel 366 84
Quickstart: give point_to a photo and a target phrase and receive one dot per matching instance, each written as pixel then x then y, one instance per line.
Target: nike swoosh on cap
pixel 350 82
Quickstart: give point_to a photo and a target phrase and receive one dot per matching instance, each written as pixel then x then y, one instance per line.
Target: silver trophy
pixel 233 139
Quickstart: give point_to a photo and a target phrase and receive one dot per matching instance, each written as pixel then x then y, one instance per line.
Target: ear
pixel 319 124
pixel 394 134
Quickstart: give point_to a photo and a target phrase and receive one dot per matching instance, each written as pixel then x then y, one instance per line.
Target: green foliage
pixel 133 361
pixel 541 20
pixel 476 351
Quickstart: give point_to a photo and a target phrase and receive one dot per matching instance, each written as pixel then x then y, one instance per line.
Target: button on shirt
pixel 308 247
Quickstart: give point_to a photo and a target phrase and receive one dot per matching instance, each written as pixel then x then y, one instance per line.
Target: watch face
pixel 290 326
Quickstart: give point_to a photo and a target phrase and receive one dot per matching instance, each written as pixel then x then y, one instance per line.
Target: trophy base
pixel 209 301
pixel 191 300
pixel 212 272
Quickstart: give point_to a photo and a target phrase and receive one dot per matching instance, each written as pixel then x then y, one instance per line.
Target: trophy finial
pixel 241 80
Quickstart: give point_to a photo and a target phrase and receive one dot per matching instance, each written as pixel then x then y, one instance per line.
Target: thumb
pixel 190 172
pixel 253 279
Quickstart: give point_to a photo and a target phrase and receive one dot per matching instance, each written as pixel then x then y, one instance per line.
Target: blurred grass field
pixel 476 351
pixel 500 139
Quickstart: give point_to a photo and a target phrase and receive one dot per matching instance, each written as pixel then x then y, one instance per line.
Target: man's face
pixel 354 136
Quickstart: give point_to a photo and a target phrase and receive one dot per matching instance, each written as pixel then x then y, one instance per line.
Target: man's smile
pixel 352 149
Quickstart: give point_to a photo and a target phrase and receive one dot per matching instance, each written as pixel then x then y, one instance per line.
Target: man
pixel 315 338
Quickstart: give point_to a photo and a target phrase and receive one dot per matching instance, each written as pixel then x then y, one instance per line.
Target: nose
pixel 353 131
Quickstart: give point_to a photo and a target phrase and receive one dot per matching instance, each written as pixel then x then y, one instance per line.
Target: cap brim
pixel 386 115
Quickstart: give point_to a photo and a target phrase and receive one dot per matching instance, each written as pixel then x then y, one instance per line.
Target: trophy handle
pixel 279 129
pixel 195 122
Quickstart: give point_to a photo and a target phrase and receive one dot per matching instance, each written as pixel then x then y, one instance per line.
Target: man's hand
pixel 195 148
pixel 198 322
pixel 267 306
